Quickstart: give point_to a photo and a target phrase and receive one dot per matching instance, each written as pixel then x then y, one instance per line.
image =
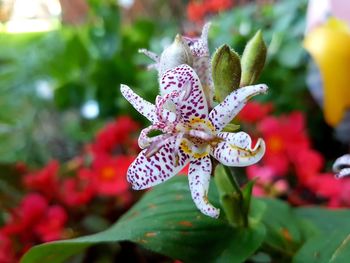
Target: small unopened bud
pixel 226 72
pixel 253 59
pixel 176 54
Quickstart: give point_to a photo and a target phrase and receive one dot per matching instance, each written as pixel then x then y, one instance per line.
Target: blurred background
pixel 63 121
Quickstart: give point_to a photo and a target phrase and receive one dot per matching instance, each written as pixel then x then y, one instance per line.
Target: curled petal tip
pixel 341 162
pixel 343 173
pixel 264 88
pixel 259 149
pixel 212 212
pixel 341 166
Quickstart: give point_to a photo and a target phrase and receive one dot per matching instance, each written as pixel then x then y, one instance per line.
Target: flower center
pixel 275 144
pixel 108 173
pixel 199 136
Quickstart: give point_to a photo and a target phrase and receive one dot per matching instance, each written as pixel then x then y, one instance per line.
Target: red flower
pixel 44 180
pixel 78 190
pixel 254 111
pixel 113 134
pixel 26 215
pixel 35 219
pixel 110 174
pixel 285 138
pixel 268 183
pixel 217 6
pixel 308 163
pixel 325 185
pixel 7 254
pixel 285 134
pixel 51 225
pixel 196 10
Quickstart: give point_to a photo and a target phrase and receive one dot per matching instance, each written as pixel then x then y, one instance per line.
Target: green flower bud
pixel 253 59
pixel 176 54
pixel 226 71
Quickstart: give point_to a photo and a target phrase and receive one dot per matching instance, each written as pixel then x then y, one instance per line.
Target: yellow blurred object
pixel 329 45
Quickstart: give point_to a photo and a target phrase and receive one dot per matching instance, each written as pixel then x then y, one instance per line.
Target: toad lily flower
pixel 191 134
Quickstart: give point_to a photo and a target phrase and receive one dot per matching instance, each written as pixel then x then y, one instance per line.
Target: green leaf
pixel 246 242
pixel 247 196
pixel 226 71
pixel 326 248
pixel 283 231
pixel 253 59
pixel 231 198
pixel 325 220
pixel 165 220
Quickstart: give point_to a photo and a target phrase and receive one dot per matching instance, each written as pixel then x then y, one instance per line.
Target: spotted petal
pixel 145 172
pixel 341 166
pixel 199 46
pixel 201 62
pixel 223 113
pixel 144 107
pixel 199 177
pixel 183 79
pixel 236 149
pixel 152 56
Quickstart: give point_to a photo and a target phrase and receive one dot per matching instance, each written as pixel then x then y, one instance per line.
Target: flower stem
pixel 243 216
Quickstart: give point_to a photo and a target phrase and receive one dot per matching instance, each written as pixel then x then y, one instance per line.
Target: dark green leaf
pixel 165 221
pixel 326 248
pixel 326 220
pixel 283 232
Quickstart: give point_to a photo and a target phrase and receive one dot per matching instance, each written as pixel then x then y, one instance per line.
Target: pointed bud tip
pixel 178 39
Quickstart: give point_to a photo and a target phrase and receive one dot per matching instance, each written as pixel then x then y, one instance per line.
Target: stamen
pixel 201 135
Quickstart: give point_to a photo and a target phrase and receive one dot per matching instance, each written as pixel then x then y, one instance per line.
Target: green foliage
pixel 166 221
pixel 78 64
pixel 334 247
pixel 282 24
pixel 331 242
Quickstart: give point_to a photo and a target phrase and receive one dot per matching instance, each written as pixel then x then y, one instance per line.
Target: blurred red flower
pixel 254 111
pixel 268 183
pixel 44 181
pixel 113 134
pixel 308 164
pixel 51 225
pixel 110 174
pixel 198 9
pixel 285 138
pixel 216 6
pixel 78 190
pixel 35 219
pixel 7 254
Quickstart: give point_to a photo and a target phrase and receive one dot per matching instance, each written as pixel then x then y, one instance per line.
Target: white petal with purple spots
pixel 184 80
pixel 199 178
pixel 145 172
pixel 236 149
pixel 223 113
pixel 144 107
